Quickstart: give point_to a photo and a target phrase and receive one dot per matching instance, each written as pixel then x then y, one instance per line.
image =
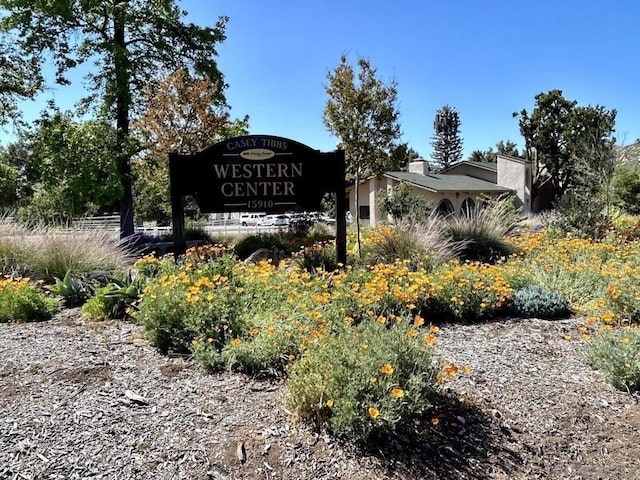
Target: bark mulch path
pixel 85 400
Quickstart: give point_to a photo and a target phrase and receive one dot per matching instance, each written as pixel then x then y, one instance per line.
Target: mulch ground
pixel 94 400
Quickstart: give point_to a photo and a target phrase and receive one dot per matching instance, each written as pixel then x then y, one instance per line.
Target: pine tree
pixel 446 142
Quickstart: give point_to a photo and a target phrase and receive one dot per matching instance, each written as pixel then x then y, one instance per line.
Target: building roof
pixel 441 183
pixel 491 166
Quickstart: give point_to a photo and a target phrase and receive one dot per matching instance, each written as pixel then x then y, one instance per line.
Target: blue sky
pixel 487 59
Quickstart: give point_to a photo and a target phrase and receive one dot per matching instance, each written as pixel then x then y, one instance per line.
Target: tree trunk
pixel 357 201
pixel 123 101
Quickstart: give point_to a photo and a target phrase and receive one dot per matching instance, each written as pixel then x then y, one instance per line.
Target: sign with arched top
pixel 261 173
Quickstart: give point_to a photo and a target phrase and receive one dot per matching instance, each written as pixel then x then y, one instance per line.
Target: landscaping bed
pixel 82 399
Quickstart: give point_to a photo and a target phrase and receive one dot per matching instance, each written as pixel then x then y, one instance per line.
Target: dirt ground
pixel 94 400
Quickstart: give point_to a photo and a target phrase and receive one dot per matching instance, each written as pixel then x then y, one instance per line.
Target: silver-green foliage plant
pixel 616 354
pixel 534 301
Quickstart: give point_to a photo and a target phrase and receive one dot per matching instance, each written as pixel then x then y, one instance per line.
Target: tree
pixel 402 204
pixel 183 114
pixel 127 41
pixel 71 170
pixel 559 136
pixel 502 147
pixel 17 78
pixel 626 188
pixel 446 142
pixel 362 113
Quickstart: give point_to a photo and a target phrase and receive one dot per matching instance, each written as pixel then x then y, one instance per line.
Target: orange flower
pixel 412 332
pixel 373 412
pixel 434 329
pixel 397 392
pixel 418 321
pixel 435 421
pixel 386 368
pixel 236 341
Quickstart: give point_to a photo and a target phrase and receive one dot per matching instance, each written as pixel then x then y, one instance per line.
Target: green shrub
pixel 249 244
pixel 616 354
pixel 579 216
pixel 533 301
pixel 114 299
pixel 368 380
pixel 321 255
pixel 21 300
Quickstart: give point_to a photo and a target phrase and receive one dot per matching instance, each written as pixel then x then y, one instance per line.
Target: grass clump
pixel 483 229
pixel 46 253
pixel 616 354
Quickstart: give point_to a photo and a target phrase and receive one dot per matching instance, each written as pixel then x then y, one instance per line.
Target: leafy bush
pixel 22 300
pixel 368 380
pixel 579 217
pixel 616 354
pixel 533 301
pixel 321 255
pixel 249 244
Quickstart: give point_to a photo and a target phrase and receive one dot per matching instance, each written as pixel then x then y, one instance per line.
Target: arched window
pixel 445 207
pixel 468 206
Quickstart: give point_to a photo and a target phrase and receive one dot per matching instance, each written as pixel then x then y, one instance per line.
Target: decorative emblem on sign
pixel 257 154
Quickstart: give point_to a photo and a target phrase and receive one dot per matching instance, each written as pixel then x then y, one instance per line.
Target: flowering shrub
pixel 199 300
pixel 616 354
pixel 365 380
pixel 22 300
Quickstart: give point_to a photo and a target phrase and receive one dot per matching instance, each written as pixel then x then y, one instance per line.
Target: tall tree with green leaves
pixel 446 141
pixel 491 156
pixel 72 173
pixel 563 139
pixel 127 41
pixel 362 112
pixel 19 78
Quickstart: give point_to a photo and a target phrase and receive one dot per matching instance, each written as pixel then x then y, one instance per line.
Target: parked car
pixel 280 220
pixel 247 219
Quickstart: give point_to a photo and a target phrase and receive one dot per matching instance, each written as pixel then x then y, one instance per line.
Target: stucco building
pixel 451 190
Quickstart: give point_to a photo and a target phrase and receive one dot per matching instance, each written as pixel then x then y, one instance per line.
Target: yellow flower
pixel 373 379
pixel 209 340
pixel 373 412
pixel 330 403
pixel 567 337
pixel 236 341
pixel 381 319
pixel 386 368
pixel 434 329
pixel 397 392
pixel 364 346
pixel 626 340
pixel 412 332
pixel 194 342
pixel 435 421
pixel 418 321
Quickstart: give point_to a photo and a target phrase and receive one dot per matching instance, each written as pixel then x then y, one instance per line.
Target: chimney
pixel 420 166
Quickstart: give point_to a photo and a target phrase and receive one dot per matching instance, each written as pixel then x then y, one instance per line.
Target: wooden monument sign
pixel 257 173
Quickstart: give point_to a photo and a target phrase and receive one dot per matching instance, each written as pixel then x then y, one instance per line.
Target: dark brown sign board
pixel 258 173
